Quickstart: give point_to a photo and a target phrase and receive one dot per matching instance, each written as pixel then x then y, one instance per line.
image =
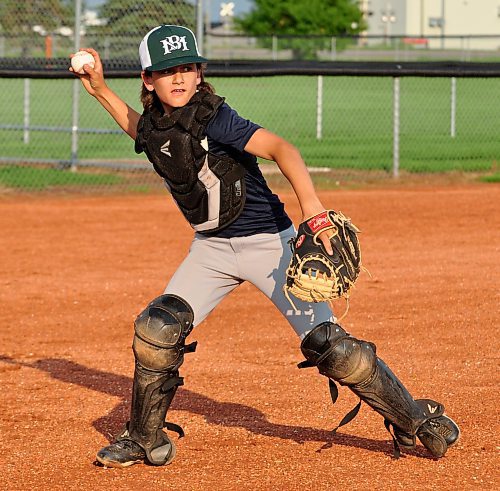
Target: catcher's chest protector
pixel 209 189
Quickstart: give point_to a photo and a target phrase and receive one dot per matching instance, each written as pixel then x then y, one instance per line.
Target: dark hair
pixel 150 98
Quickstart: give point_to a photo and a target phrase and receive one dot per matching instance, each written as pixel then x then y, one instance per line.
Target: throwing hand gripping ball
pixel 82 58
pixel 316 276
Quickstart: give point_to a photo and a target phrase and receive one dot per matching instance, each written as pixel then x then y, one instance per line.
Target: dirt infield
pixel 75 271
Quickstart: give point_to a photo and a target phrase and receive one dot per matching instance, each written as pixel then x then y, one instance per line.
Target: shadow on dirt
pixel 215 412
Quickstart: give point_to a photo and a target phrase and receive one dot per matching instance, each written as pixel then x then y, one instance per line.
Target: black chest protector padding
pixel 172 144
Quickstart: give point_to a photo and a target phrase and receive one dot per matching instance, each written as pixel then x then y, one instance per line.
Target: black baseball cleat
pixel 120 454
pixel 438 434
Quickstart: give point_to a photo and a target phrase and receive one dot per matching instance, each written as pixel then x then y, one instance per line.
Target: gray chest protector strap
pixel 209 189
pixel 159 347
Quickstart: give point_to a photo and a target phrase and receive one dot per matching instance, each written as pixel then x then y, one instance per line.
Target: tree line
pixel 284 18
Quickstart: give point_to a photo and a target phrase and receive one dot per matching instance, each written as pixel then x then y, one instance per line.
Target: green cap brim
pixel 181 60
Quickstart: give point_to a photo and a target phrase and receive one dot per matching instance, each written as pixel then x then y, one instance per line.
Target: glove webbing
pixel 321 298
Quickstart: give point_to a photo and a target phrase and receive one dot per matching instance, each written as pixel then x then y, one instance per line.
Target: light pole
pixel 388 18
pixel 422 17
pixel 227 13
pixel 442 23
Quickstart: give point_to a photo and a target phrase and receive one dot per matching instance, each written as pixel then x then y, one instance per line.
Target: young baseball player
pixel 207 156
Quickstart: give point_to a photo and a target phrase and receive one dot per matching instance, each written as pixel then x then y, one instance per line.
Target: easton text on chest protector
pixel 209 189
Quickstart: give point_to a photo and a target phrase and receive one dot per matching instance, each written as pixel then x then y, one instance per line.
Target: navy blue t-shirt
pixel 263 212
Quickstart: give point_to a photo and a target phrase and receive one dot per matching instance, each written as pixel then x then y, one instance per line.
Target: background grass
pixel 357 120
pixel 44 178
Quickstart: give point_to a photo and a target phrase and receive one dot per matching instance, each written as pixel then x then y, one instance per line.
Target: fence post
pixel 319 109
pixel 207 21
pixel 275 48
pixel 26 135
pixel 395 145
pixel 107 46
pixel 199 26
pixel 453 106
pixel 76 92
pixel 333 49
pixel 396 48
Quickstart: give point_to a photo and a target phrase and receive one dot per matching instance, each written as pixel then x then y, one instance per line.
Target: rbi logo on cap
pixel 167 46
pixel 173 43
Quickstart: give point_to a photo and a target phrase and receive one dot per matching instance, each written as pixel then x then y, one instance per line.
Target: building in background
pixel 423 18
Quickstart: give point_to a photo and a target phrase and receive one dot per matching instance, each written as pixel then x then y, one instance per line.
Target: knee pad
pixel 339 356
pixel 160 333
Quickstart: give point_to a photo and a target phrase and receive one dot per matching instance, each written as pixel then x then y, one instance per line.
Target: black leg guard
pixel 159 347
pixel 383 392
pixel 152 395
pixel 354 363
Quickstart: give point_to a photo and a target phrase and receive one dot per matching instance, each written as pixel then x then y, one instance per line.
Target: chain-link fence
pixel 51 28
pixel 231 46
pixel 52 134
pixel 352 124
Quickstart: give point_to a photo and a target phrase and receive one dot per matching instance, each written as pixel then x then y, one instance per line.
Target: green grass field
pixel 37 179
pixel 357 120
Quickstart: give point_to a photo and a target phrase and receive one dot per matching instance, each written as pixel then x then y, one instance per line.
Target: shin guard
pixel 159 347
pixel 354 363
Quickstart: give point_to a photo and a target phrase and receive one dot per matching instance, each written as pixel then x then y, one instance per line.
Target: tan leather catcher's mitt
pixel 316 276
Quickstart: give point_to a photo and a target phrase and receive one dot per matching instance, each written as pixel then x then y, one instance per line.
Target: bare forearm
pixel 269 146
pixel 292 166
pixel 126 117
pixel 94 83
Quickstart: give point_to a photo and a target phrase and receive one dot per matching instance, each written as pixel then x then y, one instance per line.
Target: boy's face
pixel 174 86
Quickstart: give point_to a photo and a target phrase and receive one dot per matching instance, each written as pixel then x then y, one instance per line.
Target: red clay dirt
pixel 75 271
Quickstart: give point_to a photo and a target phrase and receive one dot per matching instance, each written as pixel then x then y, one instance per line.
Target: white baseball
pixel 82 58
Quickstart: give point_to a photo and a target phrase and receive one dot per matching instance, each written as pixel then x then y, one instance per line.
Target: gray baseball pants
pixel 215 266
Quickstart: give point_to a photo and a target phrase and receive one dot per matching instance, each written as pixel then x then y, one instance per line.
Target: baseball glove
pixel 316 276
